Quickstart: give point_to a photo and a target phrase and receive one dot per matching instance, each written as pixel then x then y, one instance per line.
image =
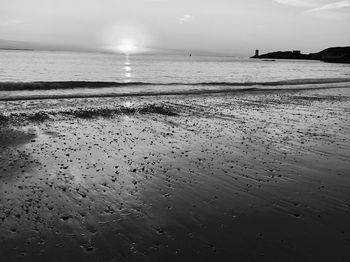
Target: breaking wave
pixel 12 91
pixel 43 85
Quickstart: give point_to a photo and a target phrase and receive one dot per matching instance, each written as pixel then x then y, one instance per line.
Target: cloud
pixel 9 22
pixel 330 6
pixel 186 18
pixel 298 3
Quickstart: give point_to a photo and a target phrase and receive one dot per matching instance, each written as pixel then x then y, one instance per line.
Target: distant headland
pixel 331 55
pixel 16 49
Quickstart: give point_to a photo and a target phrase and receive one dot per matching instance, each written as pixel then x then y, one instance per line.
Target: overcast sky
pixel 229 26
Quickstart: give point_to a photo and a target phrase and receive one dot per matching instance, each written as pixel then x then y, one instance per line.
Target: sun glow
pixel 127 46
pixel 125 38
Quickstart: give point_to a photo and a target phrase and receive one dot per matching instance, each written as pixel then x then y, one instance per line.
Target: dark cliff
pixel 332 55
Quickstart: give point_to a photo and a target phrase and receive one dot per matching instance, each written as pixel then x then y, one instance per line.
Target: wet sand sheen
pixel 260 176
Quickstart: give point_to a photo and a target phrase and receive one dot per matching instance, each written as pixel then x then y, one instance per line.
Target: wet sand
pixel 251 176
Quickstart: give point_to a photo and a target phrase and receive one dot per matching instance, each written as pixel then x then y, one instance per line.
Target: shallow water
pixel 28 66
pixel 38 75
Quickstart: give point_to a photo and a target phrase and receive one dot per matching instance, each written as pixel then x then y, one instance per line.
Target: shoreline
pixel 163 90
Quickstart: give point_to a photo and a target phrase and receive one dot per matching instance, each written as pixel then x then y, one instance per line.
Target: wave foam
pixel 46 85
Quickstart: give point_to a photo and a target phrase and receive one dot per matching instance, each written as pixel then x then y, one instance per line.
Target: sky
pixel 221 26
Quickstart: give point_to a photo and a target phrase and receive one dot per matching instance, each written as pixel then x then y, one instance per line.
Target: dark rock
pixel 331 55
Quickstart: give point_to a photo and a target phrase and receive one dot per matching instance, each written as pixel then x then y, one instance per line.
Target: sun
pixel 127 46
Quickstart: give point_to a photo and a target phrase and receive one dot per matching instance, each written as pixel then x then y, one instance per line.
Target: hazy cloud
pixel 238 26
pixel 330 6
pixel 8 22
pixel 186 18
pixel 299 3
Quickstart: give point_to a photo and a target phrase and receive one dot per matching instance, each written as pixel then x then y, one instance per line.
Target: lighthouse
pixel 256 53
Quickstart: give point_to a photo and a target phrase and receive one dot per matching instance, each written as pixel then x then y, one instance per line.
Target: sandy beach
pixel 244 176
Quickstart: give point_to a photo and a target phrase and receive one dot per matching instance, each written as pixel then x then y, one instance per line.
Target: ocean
pixel 80 74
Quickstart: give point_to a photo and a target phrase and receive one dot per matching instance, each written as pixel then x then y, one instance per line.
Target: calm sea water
pixel 155 72
pixel 68 66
